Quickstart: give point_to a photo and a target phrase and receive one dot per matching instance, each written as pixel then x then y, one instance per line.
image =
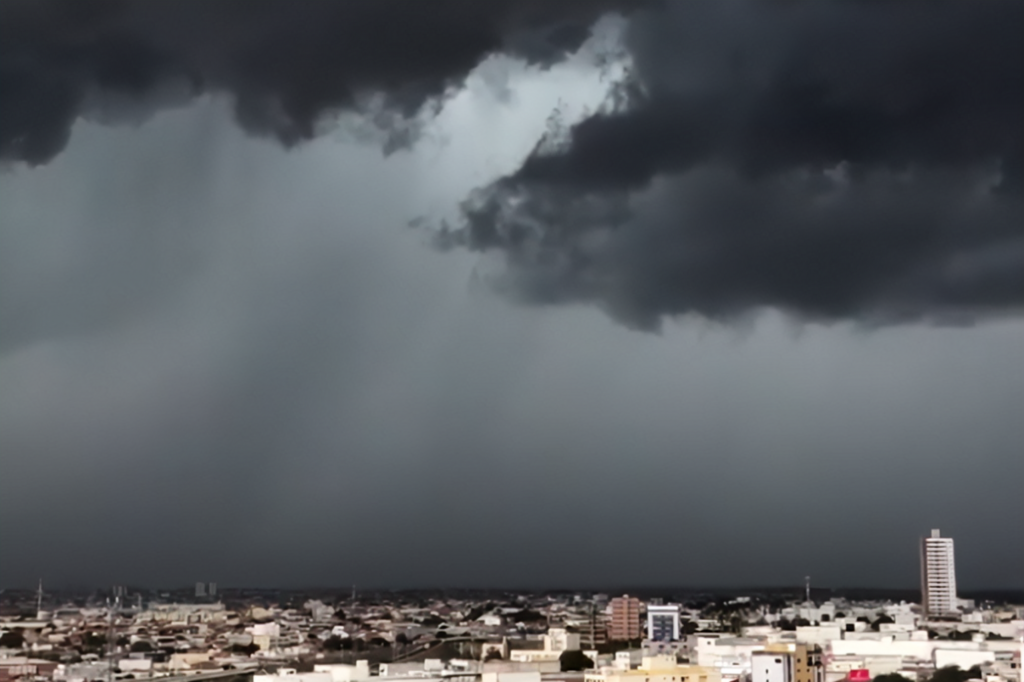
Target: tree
pixel 141 646
pixel 890 677
pixel 689 627
pixel 493 655
pixel 574 660
pixel 333 643
pixel 12 639
pixel 339 614
pixel 953 673
pixel 94 640
pixel 401 638
pixel 528 616
pixel 876 626
pixel 247 649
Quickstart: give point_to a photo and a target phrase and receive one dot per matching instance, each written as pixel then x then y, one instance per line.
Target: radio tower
pixel 39 600
pixel 807 588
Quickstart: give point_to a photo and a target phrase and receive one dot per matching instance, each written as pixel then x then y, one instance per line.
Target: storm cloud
pixel 224 355
pixel 832 160
pixel 287 66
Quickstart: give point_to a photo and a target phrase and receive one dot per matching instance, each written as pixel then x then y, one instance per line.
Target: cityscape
pixel 499 636
pixel 511 340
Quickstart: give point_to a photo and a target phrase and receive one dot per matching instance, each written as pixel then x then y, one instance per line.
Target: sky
pixel 510 294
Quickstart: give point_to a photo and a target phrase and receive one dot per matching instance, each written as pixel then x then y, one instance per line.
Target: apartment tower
pixel 625 622
pixel 938 575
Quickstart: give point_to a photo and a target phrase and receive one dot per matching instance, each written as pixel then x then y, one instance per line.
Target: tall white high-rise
pixel 938 575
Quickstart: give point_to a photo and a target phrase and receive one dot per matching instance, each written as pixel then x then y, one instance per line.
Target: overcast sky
pixel 700 295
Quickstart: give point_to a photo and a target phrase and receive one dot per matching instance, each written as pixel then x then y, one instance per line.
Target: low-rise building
pixel 656 669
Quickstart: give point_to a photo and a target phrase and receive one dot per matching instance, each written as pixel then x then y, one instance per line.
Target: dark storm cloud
pixel 833 160
pixel 222 358
pixel 287 64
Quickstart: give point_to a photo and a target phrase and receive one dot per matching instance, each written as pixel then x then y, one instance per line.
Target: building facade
pixel 787 662
pixel 625 620
pixel 663 623
pixel 938 575
pixel 655 669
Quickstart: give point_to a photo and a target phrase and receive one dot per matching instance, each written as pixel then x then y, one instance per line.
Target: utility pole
pixel 110 640
pixel 112 606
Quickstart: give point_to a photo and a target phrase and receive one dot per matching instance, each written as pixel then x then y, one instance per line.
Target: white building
pixel 938 575
pixel 769 666
pixel 663 622
pixel 342 672
pixel 655 669
pixel 730 655
pixel 293 676
pixel 530 676
pixel 555 642
pixel 628 659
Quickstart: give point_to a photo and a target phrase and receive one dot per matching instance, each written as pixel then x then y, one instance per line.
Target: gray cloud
pixel 288 66
pixel 834 160
pixel 225 359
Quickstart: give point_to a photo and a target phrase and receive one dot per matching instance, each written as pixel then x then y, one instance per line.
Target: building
pixel 551 647
pixel 787 662
pixel 729 655
pixel 267 636
pixel 771 666
pixel 510 676
pixel 808 666
pixel 938 576
pixel 625 620
pixel 200 589
pixel 663 622
pixel 11 668
pixel 655 669
pixel 342 672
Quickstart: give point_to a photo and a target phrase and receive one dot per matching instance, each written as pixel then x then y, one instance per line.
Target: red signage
pixel 860 675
